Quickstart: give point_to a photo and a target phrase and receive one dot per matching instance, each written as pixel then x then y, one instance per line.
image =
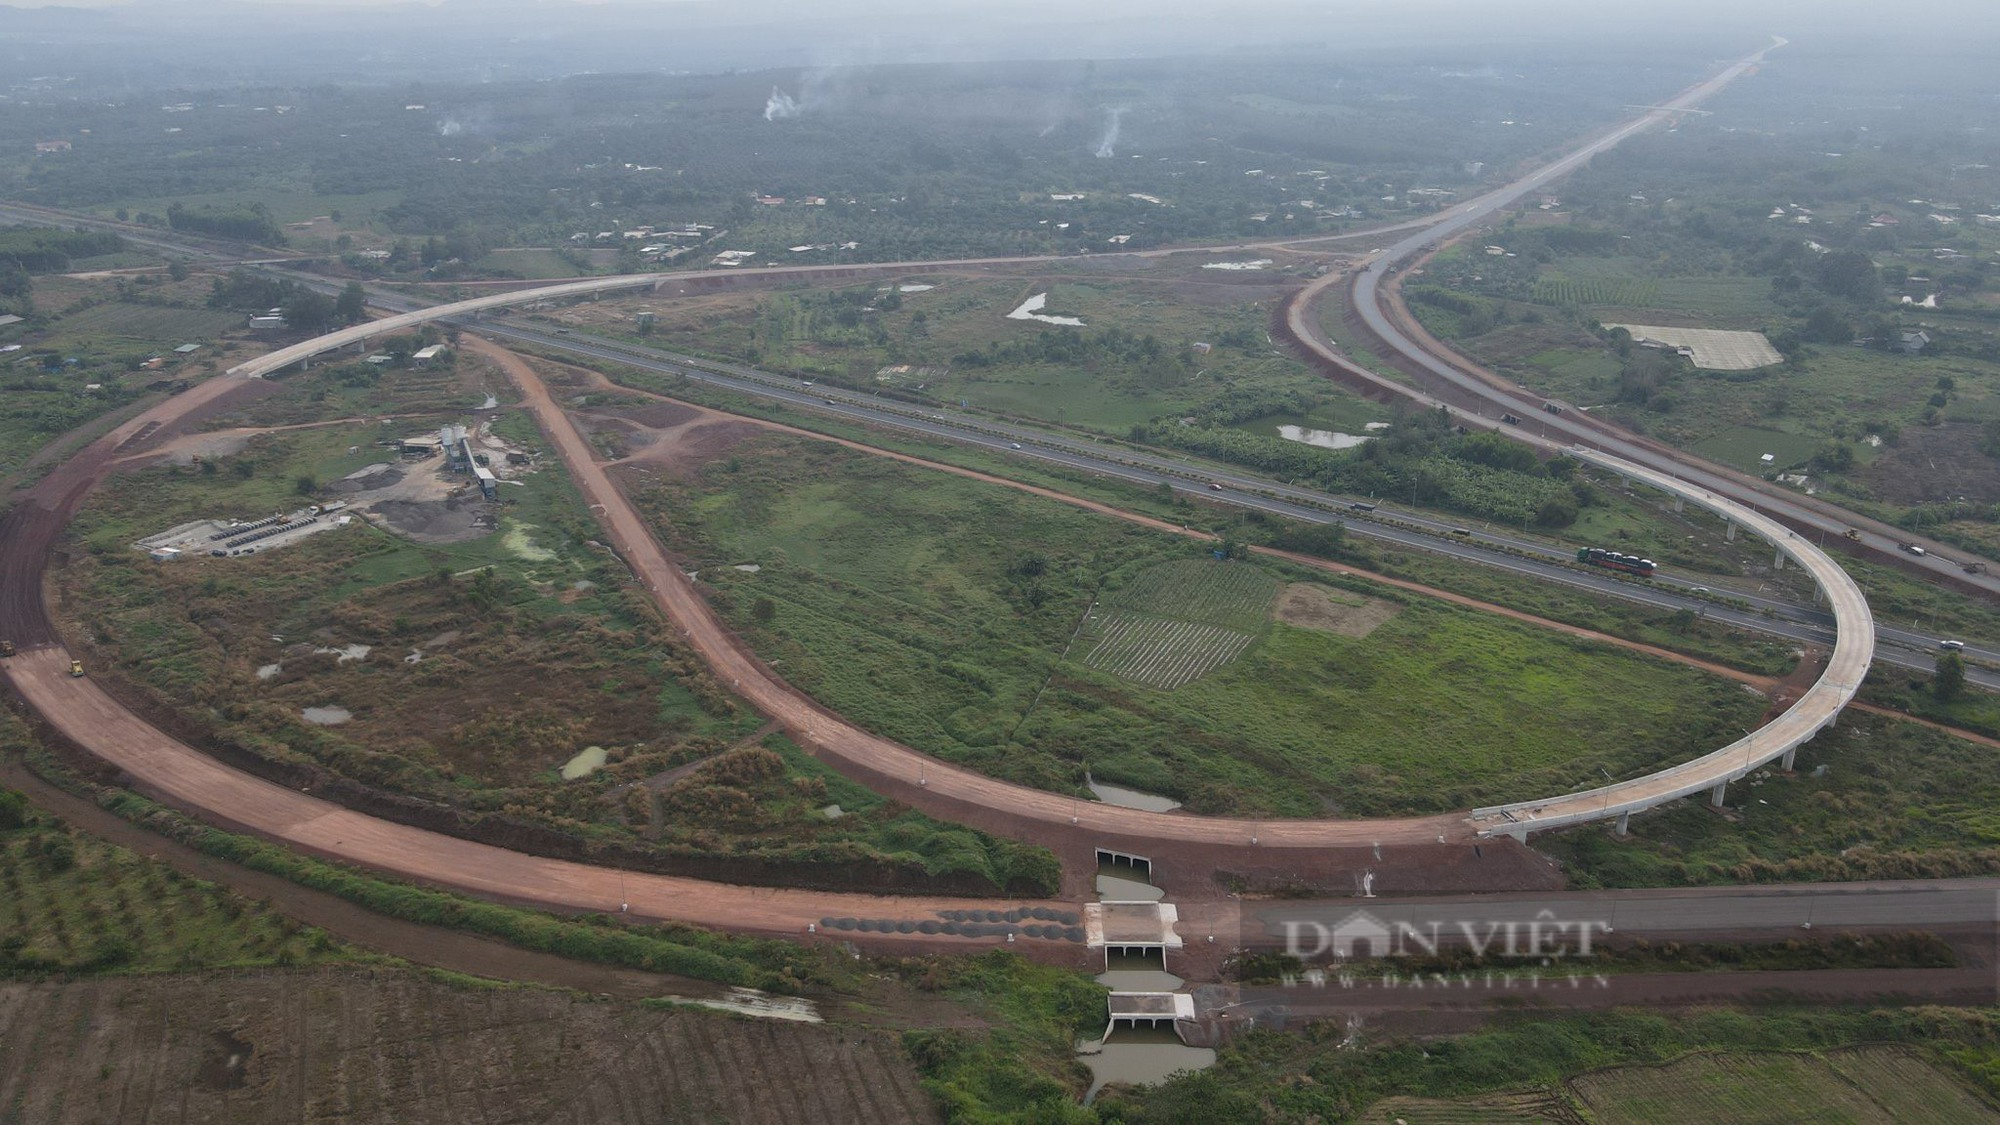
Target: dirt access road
pixel 942 789
pixel 163 767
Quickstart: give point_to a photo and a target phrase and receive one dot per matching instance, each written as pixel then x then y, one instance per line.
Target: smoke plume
pixel 780 104
pixel 1107 147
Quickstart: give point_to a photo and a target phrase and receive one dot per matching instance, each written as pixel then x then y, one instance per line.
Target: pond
pixel 1131 798
pixel 589 761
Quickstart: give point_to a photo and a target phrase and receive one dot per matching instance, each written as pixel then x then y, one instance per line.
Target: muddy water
pixel 584 764
pixel 326 716
pixel 1117 885
pixel 1324 439
pixel 1124 972
pixel 1132 798
pixel 1141 1057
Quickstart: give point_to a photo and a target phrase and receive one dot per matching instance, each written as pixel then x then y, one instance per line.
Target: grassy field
pixel 122 323
pixel 486 666
pixel 939 611
pixel 1133 362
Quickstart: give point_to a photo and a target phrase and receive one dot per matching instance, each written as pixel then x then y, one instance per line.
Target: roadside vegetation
pixel 1873 798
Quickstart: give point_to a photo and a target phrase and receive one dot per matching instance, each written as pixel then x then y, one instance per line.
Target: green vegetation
pixel 945 613
pixel 1562 1055
pixel 1873 799
pixel 911 161
pixel 439 699
pixel 74 904
pixel 1023 1068
pixel 70 904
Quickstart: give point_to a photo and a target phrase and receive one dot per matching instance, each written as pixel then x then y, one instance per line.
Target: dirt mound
pixel 660 415
pixel 1304 605
pixel 687 448
pixel 438 521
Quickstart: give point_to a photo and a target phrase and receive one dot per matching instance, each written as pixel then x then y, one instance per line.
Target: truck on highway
pixel 1615 560
pixel 1912 548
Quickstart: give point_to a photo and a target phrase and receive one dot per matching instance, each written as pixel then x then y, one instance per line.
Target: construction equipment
pixel 76 668
pixel 6 648
pixel 1853 533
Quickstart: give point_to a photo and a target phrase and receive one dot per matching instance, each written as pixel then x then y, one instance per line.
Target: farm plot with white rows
pixel 1175 623
pixel 1160 652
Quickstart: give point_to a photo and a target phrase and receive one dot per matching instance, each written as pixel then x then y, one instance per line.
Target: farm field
pixel 337 1044
pixel 75 904
pixel 123 323
pixel 1176 623
pixel 1861 1085
pixel 940 611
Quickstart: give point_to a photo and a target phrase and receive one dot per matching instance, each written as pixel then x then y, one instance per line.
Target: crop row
pixel 1227 594
pixel 1623 292
pixel 1161 652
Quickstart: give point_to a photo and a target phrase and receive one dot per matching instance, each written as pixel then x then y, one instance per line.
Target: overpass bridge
pixel 1778 740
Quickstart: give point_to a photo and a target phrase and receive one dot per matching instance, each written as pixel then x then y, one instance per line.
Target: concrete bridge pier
pixel 1729 531
pixel 1791 756
pixel 1777 560
pixel 1680 505
pixel 1715 794
pixel 1624 823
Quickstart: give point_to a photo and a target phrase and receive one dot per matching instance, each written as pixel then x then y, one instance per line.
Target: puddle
pixel 1125 972
pixel 1117 888
pixel 518 541
pixel 833 812
pixel 1140 1057
pixel 347 652
pixel 227 1064
pixel 915 288
pixel 582 584
pixel 326 716
pixel 1324 439
pixel 584 764
pixel 416 654
pixel 265 672
pixel 1132 798
pixel 1376 425
pixel 750 1002
pixel 490 403
pixel 1030 309
pixel 749 568
pixel 1255 264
